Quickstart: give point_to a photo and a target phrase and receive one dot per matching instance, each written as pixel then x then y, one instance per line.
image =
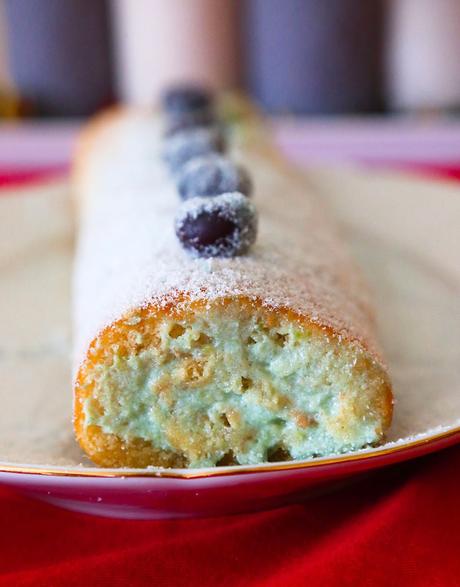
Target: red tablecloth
pixel 399 527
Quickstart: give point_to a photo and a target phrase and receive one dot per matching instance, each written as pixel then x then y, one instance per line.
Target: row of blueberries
pixel 216 217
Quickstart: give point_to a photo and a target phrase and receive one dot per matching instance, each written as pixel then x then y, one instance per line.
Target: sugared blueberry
pixel 212 175
pixel 186 99
pixel 188 120
pixel 223 226
pixel 187 107
pixel 196 142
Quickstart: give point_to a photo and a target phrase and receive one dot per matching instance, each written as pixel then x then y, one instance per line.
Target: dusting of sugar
pixel 183 146
pixel 211 175
pixel 228 203
pixel 128 255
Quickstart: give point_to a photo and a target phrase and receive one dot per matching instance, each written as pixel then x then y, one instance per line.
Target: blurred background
pixel 301 57
pixel 305 62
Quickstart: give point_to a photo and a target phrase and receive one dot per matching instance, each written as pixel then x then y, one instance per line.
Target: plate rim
pixel 159 473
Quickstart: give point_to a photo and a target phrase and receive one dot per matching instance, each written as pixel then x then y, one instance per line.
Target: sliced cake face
pixel 225 382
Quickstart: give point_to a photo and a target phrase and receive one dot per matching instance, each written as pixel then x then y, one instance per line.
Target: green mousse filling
pixel 228 386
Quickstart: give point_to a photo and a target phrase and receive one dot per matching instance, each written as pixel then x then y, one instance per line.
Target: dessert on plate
pixel 218 317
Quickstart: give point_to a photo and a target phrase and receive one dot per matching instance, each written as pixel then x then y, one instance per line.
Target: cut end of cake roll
pixel 225 382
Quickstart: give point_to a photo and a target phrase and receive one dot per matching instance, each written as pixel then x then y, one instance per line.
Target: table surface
pixel 431 141
pixel 397 527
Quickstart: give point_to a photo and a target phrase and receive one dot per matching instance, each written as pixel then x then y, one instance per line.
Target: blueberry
pixel 212 175
pixel 188 120
pixel 185 145
pixel 223 226
pixel 188 107
pixel 186 99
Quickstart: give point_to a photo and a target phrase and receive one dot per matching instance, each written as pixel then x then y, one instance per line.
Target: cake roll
pixel 262 351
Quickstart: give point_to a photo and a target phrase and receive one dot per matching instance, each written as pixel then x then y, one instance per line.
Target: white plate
pixel 405 235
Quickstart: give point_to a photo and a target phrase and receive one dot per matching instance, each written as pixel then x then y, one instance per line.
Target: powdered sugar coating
pixel 184 145
pixel 222 226
pixel 212 175
pixel 128 255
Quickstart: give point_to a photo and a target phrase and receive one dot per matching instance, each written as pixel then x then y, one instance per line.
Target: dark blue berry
pixel 187 107
pixel 185 145
pixel 187 120
pixel 212 175
pixel 186 99
pixel 223 226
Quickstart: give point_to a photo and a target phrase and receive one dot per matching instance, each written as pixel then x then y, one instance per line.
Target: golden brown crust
pixel 107 450
pixel 88 136
pixel 84 145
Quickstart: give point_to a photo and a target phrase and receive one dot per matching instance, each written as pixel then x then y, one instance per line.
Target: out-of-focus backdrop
pixel 302 57
pixel 342 80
